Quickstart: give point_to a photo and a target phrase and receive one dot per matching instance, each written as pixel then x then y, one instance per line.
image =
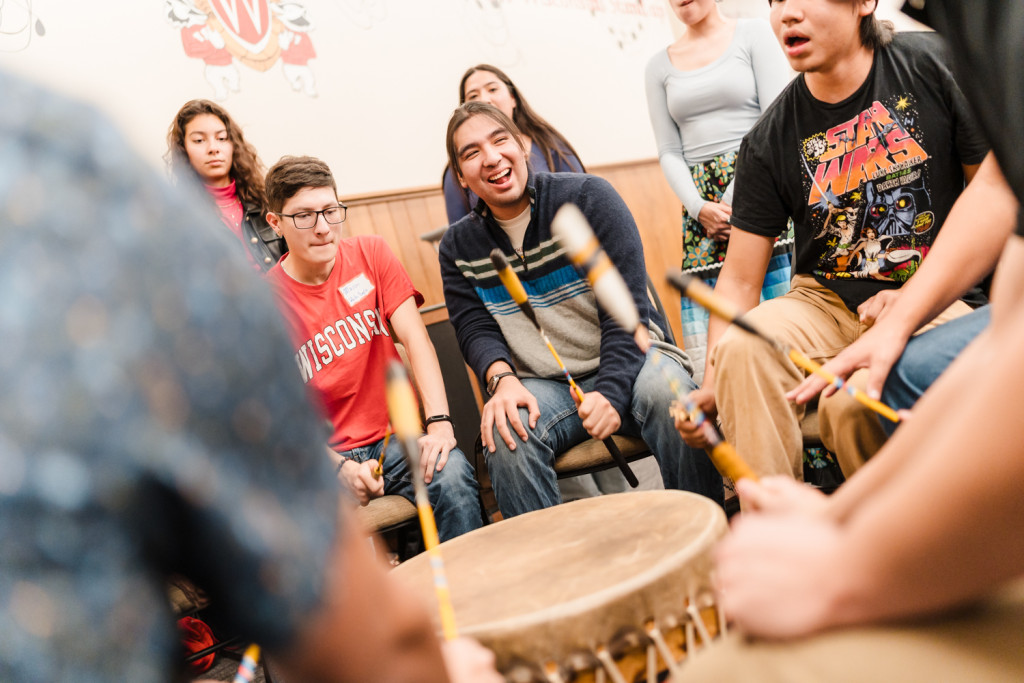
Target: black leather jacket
pixel 265 246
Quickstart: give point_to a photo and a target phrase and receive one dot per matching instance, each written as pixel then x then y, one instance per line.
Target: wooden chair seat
pixel 592 456
pixel 386 513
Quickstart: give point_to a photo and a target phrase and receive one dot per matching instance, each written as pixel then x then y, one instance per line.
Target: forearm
pixel 677 174
pixel 739 284
pixel 947 528
pixel 963 253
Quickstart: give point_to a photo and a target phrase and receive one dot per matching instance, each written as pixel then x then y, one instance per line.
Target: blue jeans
pixel 525 480
pixel 927 356
pixel 453 492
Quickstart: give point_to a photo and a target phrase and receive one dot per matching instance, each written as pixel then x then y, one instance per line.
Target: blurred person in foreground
pixel 152 423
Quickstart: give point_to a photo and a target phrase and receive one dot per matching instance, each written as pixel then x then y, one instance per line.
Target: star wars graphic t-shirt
pixel 868 181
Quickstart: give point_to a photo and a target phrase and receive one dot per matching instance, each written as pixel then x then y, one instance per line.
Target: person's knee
pixel 737 347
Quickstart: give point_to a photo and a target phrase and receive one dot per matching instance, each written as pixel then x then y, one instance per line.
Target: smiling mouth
pixel 498 178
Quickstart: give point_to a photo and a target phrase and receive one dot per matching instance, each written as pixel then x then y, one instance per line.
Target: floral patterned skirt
pixel 703 257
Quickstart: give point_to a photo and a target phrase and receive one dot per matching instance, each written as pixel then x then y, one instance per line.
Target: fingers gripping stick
pixel 719 307
pixel 406 424
pixel 515 288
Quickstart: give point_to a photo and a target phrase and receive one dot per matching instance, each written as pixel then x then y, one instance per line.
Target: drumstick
pixel 379 469
pixel 703 295
pixel 515 288
pixel 571 228
pixel 406 424
pixel 247 669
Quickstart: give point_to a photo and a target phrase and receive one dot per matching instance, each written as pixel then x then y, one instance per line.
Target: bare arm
pixel 964 252
pixel 440 437
pixel 921 527
pixel 740 283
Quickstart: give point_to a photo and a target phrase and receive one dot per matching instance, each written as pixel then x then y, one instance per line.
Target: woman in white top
pixel 704 92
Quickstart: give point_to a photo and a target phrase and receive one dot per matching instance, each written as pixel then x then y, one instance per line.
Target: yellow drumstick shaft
pixel 432 541
pixel 405 421
pixel 717 306
pixel 810 366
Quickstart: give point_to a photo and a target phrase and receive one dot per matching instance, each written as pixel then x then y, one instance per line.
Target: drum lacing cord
pixel 698 621
pixel 609 665
pixel 666 654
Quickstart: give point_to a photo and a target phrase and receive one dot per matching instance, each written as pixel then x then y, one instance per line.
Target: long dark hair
pixel 551 143
pixel 246 167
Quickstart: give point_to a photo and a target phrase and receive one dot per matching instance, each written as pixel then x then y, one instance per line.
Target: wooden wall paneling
pixel 655 210
pixel 418 256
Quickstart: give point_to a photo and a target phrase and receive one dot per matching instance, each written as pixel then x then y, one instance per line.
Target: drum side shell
pixel 544 585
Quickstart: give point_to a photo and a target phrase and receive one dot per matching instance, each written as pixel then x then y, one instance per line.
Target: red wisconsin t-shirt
pixel 340 331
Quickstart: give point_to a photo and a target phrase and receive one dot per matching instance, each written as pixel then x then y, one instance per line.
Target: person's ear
pixel 274 221
pixel 462 181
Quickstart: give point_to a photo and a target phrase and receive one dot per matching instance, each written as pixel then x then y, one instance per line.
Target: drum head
pixel 567 578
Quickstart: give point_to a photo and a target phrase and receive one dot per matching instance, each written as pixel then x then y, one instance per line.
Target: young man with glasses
pixel 339 296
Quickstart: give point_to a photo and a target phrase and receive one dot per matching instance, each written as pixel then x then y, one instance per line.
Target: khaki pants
pixel 984 643
pixel 752 381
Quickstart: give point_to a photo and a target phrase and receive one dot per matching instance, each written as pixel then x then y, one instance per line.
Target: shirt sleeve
pixel 666 134
pixel 759 207
pixel 771 75
pixel 480 338
pixel 390 275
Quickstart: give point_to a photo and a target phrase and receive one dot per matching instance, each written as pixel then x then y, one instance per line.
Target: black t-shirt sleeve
pixel 759 206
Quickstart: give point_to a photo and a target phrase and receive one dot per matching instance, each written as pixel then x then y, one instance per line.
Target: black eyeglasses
pixel 304 220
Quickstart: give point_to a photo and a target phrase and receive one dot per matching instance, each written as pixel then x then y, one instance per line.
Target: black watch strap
pixel 492 383
pixel 437 418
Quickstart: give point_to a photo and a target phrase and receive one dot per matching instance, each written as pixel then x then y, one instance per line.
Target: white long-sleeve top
pixel 700 114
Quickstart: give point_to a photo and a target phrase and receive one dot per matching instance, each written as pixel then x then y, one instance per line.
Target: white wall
pixel 386 73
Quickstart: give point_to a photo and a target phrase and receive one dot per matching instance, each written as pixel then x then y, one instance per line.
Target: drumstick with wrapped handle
pixel 378 471
pixel 247 669
pixel 721 308
pixel 571 228
pixel 515 288
pixel 406 424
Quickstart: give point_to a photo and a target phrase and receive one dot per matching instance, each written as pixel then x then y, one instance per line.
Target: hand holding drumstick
pixel 573 231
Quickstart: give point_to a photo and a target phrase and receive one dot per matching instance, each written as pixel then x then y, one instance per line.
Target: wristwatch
pixel 437 418
pixel 492 383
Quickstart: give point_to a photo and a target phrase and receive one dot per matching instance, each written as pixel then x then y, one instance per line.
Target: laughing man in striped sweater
pixel 530 415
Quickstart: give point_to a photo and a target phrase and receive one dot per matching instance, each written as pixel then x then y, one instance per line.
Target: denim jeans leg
pixel 453 492
pixel 927 356
pixel 682 467
pixel 524 479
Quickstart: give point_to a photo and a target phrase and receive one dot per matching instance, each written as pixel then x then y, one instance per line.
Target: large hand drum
pixel 614 586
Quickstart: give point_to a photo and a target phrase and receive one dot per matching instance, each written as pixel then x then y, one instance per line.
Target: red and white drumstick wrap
pixel 405 421
pixel 571 228
pixel 699 291
pixel 515 287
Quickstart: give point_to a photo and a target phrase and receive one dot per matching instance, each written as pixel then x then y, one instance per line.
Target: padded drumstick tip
pixel 571 228
pixel 402 403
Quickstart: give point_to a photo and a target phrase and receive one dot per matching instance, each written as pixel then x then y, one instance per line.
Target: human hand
pixel 762 574
pixel 434 448
pixel 714 216
pixel 872 310
pixel 503 410
pixel 468 661
pixel 693 435
pixel 361 481
pixel 599 417
pixel 878 349
pixel 781 495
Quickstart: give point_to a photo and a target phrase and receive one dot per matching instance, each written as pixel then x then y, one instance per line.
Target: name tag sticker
pixel 356 289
